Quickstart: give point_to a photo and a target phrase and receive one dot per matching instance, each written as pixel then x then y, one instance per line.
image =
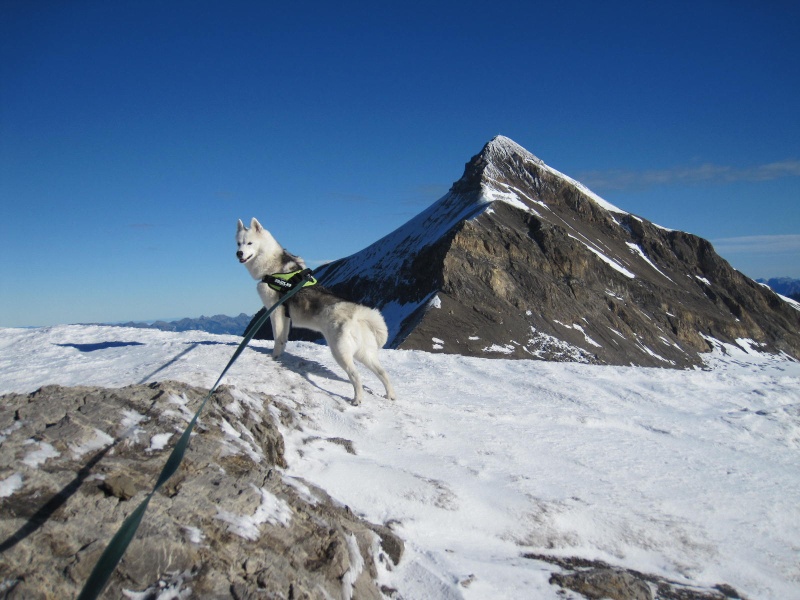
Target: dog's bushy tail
pixel 374 321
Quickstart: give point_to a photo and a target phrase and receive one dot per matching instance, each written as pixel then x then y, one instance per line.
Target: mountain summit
pixel 519 260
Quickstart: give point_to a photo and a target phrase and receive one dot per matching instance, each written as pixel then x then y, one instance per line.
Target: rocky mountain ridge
pixel 518 260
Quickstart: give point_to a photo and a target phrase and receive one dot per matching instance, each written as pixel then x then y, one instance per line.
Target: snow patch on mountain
pixel 609 261
pixel 636 249
pixel 580 328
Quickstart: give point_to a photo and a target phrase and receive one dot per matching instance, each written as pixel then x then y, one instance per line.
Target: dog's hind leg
pixel 345 360
pixel 371 361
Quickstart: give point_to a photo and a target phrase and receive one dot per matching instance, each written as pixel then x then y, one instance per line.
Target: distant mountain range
pixel 785 286
pixel 221 324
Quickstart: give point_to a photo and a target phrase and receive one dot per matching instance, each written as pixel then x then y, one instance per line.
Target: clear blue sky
pixel 133 135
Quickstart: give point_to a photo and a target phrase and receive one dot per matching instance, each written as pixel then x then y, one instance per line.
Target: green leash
pixel 119 543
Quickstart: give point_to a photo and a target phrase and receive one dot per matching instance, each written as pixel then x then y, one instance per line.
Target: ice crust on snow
pixel 691 475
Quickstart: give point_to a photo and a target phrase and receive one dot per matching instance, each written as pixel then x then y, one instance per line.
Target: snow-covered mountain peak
pixel 507 168
pixel 501 149
pixel 519 259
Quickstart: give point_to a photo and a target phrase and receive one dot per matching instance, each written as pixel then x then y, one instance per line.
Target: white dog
pixel 351 330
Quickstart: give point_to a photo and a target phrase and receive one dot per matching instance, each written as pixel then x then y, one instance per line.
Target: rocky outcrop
pixel 520 261
pixel 597 580
pixel 74 462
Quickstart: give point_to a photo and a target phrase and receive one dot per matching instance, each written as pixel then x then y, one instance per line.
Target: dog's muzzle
pixel 240 256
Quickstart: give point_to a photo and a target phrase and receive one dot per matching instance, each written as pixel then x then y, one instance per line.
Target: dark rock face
pixel 520 261
pixel 76 461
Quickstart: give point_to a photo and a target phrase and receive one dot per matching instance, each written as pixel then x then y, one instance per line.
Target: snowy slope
pixel 687 474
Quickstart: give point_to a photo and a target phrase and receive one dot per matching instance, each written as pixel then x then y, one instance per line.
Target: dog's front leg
pixel 280 330
pixel 280 322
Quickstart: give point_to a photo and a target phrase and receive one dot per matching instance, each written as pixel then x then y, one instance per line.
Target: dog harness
pixel 283 282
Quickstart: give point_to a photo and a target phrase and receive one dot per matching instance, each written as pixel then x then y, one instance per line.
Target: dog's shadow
pixel 308 370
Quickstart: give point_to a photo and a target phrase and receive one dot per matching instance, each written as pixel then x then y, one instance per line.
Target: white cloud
pixel 775 244
pixel 620 179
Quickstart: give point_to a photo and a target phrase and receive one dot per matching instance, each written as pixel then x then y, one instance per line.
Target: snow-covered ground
pixel 693 475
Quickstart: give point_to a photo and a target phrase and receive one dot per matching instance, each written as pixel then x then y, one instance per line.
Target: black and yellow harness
pixel 283 282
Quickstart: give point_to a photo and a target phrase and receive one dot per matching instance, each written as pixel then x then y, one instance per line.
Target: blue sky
pixel 134 135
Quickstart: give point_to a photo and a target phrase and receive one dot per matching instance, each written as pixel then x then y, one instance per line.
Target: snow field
pixel 691 475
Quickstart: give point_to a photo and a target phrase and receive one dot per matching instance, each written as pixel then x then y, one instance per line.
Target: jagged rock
pixel 520 261
pixel 74 462
pixel 595 580
pixel 596 584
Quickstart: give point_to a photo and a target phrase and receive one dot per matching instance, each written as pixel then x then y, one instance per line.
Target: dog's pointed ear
pixel 240 226
pixel 254 224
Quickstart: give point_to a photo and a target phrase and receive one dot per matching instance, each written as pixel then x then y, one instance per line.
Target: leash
pixel 119 543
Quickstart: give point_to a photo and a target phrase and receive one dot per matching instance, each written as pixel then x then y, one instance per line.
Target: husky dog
pixel 351 330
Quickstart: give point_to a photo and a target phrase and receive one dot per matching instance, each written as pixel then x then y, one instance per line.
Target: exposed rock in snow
pixel 226 525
